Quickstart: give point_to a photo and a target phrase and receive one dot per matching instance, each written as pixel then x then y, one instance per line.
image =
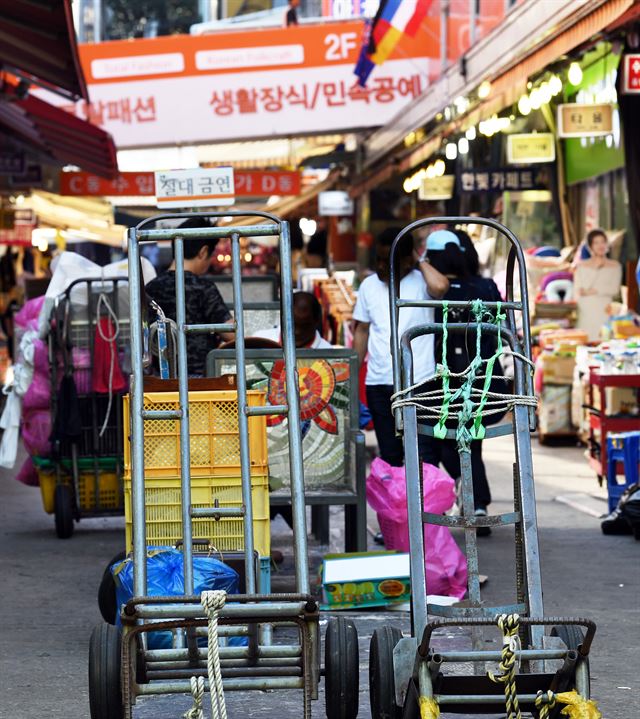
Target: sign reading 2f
pixel 340 47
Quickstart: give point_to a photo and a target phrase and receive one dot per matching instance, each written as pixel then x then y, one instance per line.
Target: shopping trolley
pixel 121 665
pixel 83 476
pixel 409 676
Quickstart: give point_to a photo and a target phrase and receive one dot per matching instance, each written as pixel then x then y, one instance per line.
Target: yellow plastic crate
pixel 164 514
pixel 214 436
pixel 109 490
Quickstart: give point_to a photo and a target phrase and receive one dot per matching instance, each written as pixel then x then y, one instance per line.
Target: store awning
pixel 88 219
pixel 288 206
pixel 38 41
pixel 65 138
pixel 526 41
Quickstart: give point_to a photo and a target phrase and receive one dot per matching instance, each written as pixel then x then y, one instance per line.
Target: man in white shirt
pixel 419 280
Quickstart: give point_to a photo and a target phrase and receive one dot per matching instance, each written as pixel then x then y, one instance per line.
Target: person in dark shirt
pixel 204 304
pixel 291 17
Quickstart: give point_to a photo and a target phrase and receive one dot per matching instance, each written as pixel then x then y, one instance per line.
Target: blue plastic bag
pixel 165 578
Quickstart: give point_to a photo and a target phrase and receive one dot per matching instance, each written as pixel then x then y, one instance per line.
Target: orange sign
pixel 248 183
pixel 241 84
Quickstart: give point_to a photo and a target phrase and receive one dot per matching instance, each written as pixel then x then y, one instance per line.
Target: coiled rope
pixel 197 692
pixel 577 707
pixel 212 602
pixel 509 625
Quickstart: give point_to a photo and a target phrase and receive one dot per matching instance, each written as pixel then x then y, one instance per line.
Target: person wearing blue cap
pixel 419 280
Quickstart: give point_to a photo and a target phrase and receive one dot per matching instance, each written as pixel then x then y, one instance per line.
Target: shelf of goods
pixel 613 407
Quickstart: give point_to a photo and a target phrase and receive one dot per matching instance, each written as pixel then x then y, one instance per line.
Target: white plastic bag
pixel 10 423
pixel 70 267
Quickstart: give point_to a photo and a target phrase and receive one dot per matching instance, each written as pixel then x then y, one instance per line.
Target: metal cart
pixel 83 478
pixel 409 676
pixel 121 667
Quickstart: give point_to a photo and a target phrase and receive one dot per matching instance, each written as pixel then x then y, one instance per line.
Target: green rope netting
pixel 470 413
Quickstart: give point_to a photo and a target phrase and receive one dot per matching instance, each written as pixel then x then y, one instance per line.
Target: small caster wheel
pixel 342 669
pixel 63 510
pixel 105 694
pixel 382 687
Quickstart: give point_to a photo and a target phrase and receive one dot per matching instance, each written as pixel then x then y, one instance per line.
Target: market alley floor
pixel 48 599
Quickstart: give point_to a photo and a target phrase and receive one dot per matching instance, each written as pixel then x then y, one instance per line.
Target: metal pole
pixel 241 380
pixel 137 422
pixel 473 20
pixel 293 423
pixel 204 10
pixel 183 392
pixel 97 20
pixel 444 34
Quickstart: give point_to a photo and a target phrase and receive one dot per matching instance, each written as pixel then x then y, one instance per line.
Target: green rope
pixel 478 430
pixel 468 411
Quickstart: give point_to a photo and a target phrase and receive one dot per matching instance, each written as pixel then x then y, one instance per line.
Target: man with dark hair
pixel 307 319
pixel 418 281
pixel 204 305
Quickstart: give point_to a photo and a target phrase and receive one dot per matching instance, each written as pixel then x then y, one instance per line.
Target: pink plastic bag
pixel 28 474
pixel 36 431
pixel 446 565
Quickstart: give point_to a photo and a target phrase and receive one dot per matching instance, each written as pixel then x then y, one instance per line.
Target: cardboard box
pixel 557 369
pixel 621 400
pixel 554 410
pixel 365 579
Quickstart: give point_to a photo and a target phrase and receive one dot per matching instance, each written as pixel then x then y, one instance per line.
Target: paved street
pixel 48 598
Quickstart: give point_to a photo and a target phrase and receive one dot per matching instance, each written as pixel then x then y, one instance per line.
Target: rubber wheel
pixel 382 686
pixel 107 602
pixel 63 510
pixel 105 695
pixel 573 636
pixel 342 669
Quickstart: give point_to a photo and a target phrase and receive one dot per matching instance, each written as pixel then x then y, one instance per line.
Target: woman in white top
pixel 597 283
pixel 419 280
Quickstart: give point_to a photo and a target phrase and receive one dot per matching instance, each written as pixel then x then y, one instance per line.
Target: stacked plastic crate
pixel 215 473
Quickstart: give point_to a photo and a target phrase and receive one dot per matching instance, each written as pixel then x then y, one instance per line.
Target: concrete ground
pixel 48 598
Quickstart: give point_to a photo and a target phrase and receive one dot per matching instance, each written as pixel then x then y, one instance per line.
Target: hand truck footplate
pixel 460 692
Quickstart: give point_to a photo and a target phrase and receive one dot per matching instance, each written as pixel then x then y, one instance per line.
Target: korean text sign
pixel 244 84
pixel 502 179
pixel 195 188
pixel 248 183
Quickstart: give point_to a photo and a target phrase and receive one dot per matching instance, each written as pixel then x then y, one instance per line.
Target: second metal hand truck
pixel 121 666
pixel 409 677
pixel 87 467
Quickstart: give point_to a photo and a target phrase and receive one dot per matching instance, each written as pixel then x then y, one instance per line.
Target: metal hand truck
pixel 121 666
pixel 84 475
pixel 409 677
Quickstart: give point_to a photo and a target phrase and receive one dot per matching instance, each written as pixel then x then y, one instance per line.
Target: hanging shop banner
pixel 585 120
pixel 502 179
pixel 526 149
pixel 195 188
pixel 248 183
pixel 631 74
pixel 244 84
pixel 437 188
pixel 334 203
